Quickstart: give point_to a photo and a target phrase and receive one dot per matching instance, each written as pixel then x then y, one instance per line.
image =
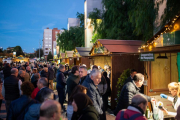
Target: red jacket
pixel 129 112
pixel 34 93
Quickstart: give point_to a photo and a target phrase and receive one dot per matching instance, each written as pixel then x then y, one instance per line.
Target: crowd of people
pixel 29 93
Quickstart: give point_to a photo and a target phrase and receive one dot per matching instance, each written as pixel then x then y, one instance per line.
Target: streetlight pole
pixel 39 49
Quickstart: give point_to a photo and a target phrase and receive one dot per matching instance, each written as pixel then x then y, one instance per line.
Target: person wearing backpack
pixel 19 106
pixel 135 110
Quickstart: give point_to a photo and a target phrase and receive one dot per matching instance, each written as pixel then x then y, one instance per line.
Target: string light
pixel 158 36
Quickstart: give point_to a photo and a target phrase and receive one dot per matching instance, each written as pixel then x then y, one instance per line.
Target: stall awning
pixel 69 54
pixel 83 51
pixel 121 46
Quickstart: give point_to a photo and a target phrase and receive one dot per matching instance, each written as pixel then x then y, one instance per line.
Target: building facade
pixel 73 22
pixel 89 6
pixel 55 31
pixel 47 41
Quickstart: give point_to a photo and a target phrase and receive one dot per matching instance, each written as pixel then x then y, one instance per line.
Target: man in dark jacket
pixel 72 80
pixel 50 77
pixel 82 74
pixel 130 78
pixel 7 70
pixel 11 88
pixel 61 82
pixel 91 83
pixel 128 91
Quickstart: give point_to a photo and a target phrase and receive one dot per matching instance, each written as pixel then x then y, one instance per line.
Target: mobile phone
pixel 160 107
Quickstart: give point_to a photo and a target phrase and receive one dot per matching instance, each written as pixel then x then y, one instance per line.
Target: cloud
pixel 8 25
pixel 48 25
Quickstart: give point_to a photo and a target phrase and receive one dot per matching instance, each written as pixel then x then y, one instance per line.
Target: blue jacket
pixel 60 79
pixel 33 112
pixel 93 93
pixel 18 106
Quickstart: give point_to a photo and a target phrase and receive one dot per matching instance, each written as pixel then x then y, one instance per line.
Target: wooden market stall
pixel 69 58
pixel 81 56
pixel 119 55
pixel 161 54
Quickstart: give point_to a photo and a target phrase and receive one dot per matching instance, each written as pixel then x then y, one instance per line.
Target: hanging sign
pixel 146 57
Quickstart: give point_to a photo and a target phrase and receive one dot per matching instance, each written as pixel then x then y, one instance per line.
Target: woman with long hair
pixel 83 108
pixel 174 89
pixel 77 89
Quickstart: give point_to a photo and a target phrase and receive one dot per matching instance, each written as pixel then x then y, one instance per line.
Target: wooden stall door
pixel 161 72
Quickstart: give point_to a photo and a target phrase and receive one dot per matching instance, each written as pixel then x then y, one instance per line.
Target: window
pixel 46 38
pixel 46 52
pixel 46 48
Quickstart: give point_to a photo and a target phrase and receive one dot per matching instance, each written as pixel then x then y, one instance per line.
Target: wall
pixel 161 72
pixel 119 64
pixel 86 61
pixel 73 22
pixel 89 6
pixel 55 31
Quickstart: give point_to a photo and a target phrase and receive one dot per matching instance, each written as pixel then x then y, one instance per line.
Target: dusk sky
pixel 22 21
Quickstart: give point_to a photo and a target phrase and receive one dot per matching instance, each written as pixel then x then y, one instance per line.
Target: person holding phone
pixel 174 89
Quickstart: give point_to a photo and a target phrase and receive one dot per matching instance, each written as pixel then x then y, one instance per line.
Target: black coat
pixel 50 74
pixel 60 79
pixel 126 95
pixel 72 82
pixel 11 85
pixel 7 72
pixel 89 113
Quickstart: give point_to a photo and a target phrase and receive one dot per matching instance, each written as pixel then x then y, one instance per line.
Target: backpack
pixel 131 118
pixel 25 109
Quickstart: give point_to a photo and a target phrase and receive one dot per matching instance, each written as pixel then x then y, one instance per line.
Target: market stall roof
pixel 166 39
pixel 69 53
pixel 83 51
pixel 120 46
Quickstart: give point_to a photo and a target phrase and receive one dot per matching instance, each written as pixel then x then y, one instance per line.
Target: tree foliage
pixel 18 51
pixel 125 20
pixel 37 52
pixel 172 9
pixel 49 57
pixel 68 40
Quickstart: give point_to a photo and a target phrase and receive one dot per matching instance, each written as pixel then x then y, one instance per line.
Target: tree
pixel 49 57
pixel 142 17
pixel 125 20
pixel 37 52
pixel 18 51
pixel 171 10
pixel 31 56
pixel 72 38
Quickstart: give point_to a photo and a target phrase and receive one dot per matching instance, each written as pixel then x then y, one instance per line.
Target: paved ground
pixel 3 113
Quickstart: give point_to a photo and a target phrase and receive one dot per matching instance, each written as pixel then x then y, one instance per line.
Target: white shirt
pixel 175 106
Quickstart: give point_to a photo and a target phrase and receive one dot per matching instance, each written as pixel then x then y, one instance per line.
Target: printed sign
pixel 146 57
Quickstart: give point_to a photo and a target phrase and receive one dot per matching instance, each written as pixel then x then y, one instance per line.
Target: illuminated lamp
pixel 176 26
